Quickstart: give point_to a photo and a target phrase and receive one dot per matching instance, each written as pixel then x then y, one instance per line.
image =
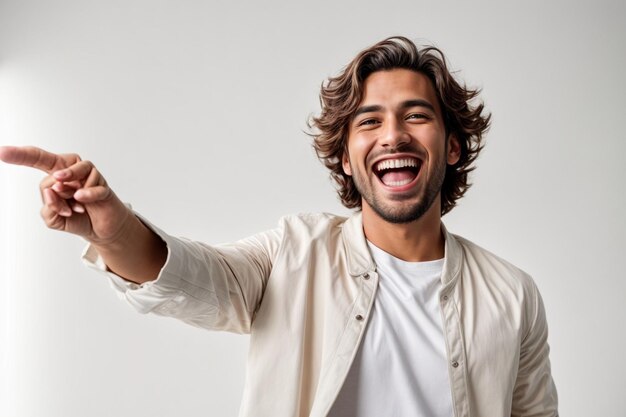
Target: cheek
pixel 434 142
pixel 360 147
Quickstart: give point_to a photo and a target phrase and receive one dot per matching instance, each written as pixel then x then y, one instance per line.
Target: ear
pixel 345 163
pixel 454 150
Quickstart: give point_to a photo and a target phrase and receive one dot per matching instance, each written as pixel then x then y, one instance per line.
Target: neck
pixel 418 241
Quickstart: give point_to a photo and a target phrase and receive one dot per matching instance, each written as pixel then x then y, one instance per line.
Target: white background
pixel 195 112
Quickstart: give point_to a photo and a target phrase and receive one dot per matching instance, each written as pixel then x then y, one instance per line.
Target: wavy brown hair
pixel 340 97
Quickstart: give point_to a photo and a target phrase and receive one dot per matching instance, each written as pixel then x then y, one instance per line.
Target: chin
pixel 400 213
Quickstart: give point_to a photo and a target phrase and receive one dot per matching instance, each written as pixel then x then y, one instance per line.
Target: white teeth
pixel 396 163
pixel 397 183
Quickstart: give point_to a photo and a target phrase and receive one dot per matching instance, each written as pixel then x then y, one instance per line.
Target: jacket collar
pixel 452 262
pixel 359 257
pixel 360 260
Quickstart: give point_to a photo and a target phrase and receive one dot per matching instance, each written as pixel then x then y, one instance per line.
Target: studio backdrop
pixel 196 114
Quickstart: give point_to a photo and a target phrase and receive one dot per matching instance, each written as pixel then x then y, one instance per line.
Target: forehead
pixel 394 86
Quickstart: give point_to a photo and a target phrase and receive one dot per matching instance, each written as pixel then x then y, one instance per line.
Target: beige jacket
pixel 304 291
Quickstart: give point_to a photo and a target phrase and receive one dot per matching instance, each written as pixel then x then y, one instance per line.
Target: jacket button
pixel 366 276
pixel 359 317
pixel 445 298
pixel 455 364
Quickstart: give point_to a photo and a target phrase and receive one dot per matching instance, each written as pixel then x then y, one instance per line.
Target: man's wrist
pixel 129 226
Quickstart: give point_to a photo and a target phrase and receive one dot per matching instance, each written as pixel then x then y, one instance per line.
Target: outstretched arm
pixel 77 199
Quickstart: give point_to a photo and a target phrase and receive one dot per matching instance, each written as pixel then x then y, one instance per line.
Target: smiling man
pixel 397 153
pixel 384 313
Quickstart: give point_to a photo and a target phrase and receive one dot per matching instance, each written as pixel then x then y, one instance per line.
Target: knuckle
pixel 88 168
pixel 71 158
pixel 66 194
pixel 52 206
pixel 47 217
pixel 47 182
pixel 84 165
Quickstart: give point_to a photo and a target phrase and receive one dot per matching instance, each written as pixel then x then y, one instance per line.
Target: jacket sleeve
pixel 214 287
pixel 535 394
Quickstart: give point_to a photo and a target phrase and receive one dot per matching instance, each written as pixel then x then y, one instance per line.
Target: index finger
pixel 34 157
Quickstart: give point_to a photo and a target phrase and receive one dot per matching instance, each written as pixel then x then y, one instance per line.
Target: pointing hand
pixel 76 197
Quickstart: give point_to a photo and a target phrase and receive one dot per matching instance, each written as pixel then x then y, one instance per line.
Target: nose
pixel 394 135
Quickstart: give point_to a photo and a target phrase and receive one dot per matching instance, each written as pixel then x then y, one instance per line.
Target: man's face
pixel 397 151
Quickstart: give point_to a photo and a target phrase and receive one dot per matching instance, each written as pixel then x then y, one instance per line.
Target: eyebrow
pixel 404 105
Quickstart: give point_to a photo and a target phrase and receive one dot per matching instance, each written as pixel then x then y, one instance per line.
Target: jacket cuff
pixel 152 294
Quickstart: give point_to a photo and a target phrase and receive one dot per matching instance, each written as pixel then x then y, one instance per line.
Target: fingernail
pixel 78 208
pixel 65 212
pixel 61 174
pixel 57 187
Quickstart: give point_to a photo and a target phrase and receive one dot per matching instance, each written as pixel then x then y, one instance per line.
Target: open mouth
pixel 397 172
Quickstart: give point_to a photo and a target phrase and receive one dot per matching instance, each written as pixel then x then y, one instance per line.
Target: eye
pixel 367 122
pixel 417 116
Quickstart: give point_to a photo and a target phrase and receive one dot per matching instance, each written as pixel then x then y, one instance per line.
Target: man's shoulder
pixel 492 266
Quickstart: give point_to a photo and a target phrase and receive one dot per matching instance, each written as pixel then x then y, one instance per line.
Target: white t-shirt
pixel 401 368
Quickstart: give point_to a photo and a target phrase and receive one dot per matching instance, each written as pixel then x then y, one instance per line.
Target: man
pixel 382 314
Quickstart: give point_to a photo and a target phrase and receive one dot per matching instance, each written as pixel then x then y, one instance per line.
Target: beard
pixel 403 212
